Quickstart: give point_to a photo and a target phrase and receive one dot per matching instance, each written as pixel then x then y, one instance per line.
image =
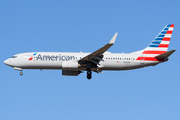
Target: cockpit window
pixel 14 57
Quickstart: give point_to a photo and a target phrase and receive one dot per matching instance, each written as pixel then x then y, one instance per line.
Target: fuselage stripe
pixel 147 58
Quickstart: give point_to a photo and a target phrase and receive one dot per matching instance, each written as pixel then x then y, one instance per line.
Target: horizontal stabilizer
pixel 165 55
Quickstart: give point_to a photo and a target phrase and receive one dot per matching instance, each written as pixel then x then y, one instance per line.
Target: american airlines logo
pixel 32 56
pixel 55 57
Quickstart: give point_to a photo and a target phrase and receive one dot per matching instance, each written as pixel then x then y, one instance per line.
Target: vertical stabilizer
pixel 161 43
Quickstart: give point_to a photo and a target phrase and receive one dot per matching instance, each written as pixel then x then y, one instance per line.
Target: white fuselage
pixel 72 64
pixel 56 60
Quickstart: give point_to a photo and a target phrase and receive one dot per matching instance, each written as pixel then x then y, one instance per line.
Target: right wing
pixel 97 56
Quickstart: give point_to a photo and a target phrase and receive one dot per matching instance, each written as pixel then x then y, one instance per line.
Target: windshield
pixel 13 56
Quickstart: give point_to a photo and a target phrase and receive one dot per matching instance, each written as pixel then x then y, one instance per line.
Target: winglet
pixel 113 39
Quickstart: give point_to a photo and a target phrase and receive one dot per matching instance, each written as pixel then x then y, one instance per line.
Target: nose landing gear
pixel 20 69
pixel 21 73
pixel 89 72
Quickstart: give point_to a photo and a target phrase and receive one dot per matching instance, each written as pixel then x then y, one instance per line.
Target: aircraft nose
pixel 7 62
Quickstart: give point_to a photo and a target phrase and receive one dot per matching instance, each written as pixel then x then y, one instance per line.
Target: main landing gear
pixel 89 72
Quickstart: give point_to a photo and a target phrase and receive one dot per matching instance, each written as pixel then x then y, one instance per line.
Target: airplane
pixel 72 64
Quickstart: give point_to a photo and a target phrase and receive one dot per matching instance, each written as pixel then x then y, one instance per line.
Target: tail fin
pixel 160 44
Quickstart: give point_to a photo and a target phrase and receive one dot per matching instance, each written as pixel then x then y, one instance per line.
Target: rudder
pixel 161 43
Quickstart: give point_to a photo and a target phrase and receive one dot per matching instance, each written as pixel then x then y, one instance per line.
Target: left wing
pixel 97 56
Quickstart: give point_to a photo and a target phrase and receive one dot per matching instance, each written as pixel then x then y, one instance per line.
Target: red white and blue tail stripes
pixel 160 44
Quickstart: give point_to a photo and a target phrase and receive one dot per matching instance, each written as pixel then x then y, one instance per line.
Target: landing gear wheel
pixel 21 73
pixel 89 73
pixel 89 76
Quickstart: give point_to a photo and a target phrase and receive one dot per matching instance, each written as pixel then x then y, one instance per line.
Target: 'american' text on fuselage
pixel 55 57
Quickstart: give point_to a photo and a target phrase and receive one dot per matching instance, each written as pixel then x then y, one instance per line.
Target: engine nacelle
pixel 70 64
pixel 70 73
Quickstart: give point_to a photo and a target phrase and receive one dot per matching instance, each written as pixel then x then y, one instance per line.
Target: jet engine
pixel 70 73
pixel 70 65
